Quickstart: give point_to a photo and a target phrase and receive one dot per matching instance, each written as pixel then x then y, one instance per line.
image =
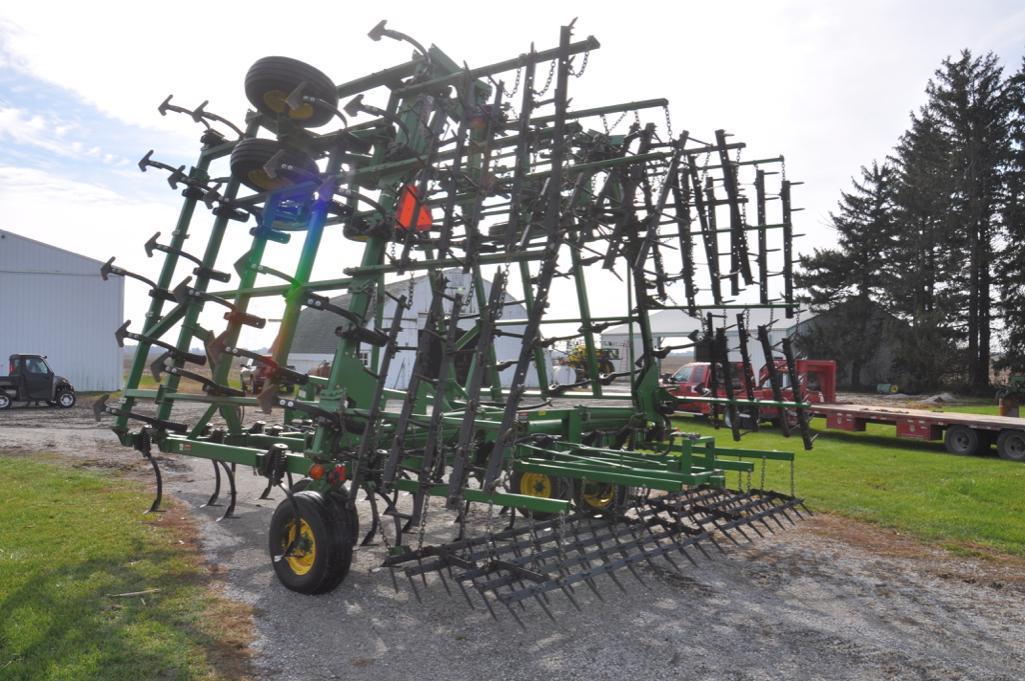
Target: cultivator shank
pixel 503 208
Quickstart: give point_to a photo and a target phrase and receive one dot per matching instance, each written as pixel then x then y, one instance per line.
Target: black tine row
pixel 530 561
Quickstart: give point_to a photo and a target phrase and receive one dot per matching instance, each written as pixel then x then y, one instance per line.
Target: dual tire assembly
pixel 966 441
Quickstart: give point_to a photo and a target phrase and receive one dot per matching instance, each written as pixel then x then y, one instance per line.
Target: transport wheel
pixel 962 440
pixel 66 400
pixel 340 499
pixel 597 496
pixel 321 543
pixel 539 485
pixel 1011 445
pixel 5 401
pixel 250 155
pixel 270 80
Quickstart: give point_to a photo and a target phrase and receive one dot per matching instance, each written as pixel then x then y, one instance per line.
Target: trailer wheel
pixel 271 79
pixel 250 155
pixel 1011 445
pixel 539 485
pixel 962 440
pixel 321 542
pixel 5 401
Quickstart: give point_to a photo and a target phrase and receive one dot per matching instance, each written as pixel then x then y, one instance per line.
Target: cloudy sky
pixel 828 84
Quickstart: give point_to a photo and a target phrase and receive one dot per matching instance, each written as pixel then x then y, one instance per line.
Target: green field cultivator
pixel 444 171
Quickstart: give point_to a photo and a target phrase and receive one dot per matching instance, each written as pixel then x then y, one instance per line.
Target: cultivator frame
pixel 448 175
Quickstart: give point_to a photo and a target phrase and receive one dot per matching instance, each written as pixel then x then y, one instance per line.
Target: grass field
pixel 966 504
pixel 69 542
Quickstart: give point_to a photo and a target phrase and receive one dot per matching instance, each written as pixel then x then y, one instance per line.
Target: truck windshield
pixel 689 373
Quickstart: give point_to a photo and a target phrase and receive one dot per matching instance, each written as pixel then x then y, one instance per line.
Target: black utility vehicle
pixel 32 380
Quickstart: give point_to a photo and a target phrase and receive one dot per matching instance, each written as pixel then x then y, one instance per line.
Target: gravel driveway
pixel 830 599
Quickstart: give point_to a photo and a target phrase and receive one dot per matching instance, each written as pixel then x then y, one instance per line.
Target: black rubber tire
pixel 340 499
pixel 62 402
pixel 585 495
pixel 5 401
pixel 271 79
pixel 332 544
pixel 962 441
pixel 250 155
pixel 1011 445
pixel 519 483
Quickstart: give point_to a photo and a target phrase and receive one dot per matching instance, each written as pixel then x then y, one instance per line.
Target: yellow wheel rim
pixel 598 495
pixel 260 178
pixel 275 101
pixel 536 485
pixel 304 553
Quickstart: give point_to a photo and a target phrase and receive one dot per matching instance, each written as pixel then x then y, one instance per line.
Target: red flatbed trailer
pixel 961 433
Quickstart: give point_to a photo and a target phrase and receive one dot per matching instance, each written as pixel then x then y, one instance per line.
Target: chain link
pixel 669 123
pixel 516 84
pixel 548 80
pixel 583 66
pixel 762 483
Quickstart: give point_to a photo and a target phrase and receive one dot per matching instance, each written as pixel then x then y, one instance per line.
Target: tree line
pixel 931 240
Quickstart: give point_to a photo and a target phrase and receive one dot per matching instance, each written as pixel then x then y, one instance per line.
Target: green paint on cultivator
pixel 453 173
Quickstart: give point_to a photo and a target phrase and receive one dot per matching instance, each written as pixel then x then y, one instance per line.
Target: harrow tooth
pixel 444 582
pixel 412 583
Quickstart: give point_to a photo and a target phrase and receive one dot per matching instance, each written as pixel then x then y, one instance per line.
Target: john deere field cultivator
pixel 433 168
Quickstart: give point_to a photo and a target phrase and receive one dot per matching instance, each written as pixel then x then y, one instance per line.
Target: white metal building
pixel 54 303
pixel 315 340
pixel 671 327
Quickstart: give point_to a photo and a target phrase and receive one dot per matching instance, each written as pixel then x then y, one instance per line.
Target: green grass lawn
pixel 69 539
pixel 967 504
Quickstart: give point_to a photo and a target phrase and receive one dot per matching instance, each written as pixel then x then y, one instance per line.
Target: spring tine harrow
pixel 496 203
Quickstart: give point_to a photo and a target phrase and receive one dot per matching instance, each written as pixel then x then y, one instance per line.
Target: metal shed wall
pixel 53 302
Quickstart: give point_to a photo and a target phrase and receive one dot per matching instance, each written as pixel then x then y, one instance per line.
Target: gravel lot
pixel 830 599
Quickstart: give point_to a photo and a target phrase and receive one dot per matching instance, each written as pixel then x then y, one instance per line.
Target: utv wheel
pixel 962 440
pixel 1011 445
pixel 271 80
pixel 5 401
pixel 539 485
pixel 249 157
pixel 66 400
pixel 320 540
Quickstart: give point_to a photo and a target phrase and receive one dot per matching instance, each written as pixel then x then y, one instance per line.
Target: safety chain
pixel 423 523
pixel 793 489
pixel 492 548
pixel 548 80
pixel 761 485
pixel 605 123
pixel 516 84
pixel 583 66
pixel 669 124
